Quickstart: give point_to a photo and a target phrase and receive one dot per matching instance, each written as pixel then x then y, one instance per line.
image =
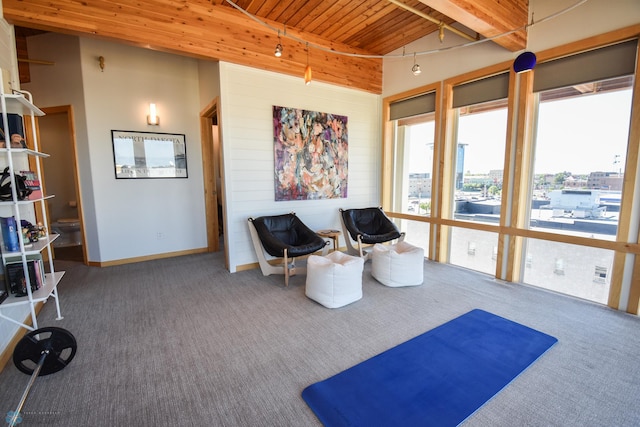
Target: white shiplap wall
pixel 248 96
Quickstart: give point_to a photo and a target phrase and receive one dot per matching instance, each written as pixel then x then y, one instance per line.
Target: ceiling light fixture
pixel 307 71
pixel 278 52
pixel 416 68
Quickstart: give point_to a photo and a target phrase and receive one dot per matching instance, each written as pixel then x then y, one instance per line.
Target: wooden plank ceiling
pixel 215 29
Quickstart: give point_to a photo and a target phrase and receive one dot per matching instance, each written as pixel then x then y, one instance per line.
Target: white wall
pixel 209 79
pixel 61 84
pixel 589 19
pixel 123 217
pixel 130 213
pixel 248 96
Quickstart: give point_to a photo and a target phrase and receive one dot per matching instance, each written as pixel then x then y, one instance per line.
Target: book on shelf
pixel 32 183
pixel 9 230
pixel 16 280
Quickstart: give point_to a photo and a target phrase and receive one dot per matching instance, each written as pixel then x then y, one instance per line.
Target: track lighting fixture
pixel 278 52
pixel 307 71
pixel 441 27
pixel 416 68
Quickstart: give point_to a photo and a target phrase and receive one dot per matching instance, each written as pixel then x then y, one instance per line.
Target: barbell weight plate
pixel 60 344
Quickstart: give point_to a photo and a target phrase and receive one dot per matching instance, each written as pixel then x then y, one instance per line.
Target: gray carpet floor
pixel 182 342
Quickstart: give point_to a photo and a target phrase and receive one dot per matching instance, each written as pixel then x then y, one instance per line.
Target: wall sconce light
pixel 307 71
pixel 101 63
pixel 416 68
pixel 278 52
pixel 152 118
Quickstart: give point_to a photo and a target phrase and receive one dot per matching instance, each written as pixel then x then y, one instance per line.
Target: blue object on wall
pixel 524 62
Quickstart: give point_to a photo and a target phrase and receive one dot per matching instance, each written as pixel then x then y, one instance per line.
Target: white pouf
pixel 334 280
pixel 397 265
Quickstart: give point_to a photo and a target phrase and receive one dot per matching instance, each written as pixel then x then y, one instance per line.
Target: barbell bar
pixel 41 352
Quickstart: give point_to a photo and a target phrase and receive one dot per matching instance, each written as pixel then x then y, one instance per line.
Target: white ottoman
pixel 397 265
pixel 334 280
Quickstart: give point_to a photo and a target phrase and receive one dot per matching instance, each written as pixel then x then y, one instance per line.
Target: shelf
pixel 24 151
pixel 35 248
pixel 42 294
pixel 25 201
pixel 18 104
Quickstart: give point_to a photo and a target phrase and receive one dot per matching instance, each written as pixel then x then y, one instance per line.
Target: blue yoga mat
pixel 438 378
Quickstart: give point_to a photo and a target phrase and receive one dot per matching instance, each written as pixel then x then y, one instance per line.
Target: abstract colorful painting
pixel 311 154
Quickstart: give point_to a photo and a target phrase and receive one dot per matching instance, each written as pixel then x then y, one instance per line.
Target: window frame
pixel 624 293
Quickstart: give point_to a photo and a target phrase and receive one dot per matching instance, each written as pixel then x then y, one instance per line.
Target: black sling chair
pixel 367 226
pixel 283 236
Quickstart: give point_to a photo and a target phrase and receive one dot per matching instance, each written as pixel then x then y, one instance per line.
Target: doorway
pixel 57 138
pixel 213 176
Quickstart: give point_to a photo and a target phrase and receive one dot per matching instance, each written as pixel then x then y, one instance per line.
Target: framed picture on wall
pixel 145 155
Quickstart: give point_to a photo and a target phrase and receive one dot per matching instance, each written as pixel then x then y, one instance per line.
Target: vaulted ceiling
pixel 247 31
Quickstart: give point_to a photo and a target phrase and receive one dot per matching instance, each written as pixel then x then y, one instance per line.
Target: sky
pixel 157 152
pixel 578 135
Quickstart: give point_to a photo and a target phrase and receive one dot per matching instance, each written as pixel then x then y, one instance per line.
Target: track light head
pixel 278 51
pixel 307 70
pixel 416 68
pixel 307 75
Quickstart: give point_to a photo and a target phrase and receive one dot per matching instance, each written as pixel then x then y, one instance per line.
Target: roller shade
pixel 488 89
pixel 415 106
pixel 599 64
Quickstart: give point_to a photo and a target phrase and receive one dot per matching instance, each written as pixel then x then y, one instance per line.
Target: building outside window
pixel 581 140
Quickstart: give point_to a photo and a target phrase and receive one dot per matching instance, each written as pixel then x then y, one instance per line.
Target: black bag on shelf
pixel 22 191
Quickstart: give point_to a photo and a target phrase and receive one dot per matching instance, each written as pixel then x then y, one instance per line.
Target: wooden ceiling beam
pixel 201 29
pixel 489 18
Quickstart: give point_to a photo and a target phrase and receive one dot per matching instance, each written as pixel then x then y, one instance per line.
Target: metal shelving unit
pixel 21 103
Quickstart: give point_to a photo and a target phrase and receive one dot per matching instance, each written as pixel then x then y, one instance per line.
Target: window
pixel 575 270
pixel 413 165
pixel 583 116
pixel 418 232
pixel 567 165
pixel 473 249
pixel 414 132
pixel 580 148
pixel 583 110
pixel 480 134
pixel 413 124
